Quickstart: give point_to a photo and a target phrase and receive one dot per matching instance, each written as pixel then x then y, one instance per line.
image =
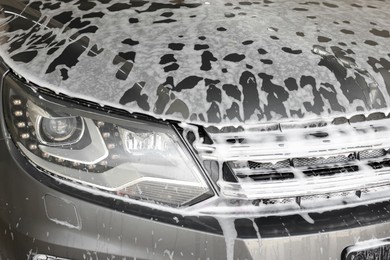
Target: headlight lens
pixel 130 158
pixel 58 129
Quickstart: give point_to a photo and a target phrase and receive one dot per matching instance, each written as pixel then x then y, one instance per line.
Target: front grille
pixel 313 166
pixel 305 162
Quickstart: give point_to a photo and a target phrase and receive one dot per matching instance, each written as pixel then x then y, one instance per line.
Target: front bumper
pixel 31 224
pixel 35 219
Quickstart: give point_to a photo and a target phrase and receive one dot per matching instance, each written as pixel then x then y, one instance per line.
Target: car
pixel 196 129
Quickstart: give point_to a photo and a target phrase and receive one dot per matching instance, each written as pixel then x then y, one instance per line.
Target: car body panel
pixel 28 229
pixel 210 63
pixel 214 64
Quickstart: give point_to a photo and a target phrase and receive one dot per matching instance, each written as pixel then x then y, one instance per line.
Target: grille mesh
pixel 370 154
pixel 301 162
pixel 277 165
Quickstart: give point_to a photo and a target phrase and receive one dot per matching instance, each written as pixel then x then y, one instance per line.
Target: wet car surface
pixel 194 129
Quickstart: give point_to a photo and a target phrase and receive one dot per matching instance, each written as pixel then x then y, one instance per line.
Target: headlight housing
pixel 125 157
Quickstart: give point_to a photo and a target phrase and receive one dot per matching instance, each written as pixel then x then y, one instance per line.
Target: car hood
pixel 206 62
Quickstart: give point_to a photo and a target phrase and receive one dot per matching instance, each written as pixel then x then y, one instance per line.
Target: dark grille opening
pixel 270 176
pixel 326 171
pixel 380 165
pixel 329 171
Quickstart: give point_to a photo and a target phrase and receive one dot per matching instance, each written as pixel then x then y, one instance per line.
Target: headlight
pixel 129 158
